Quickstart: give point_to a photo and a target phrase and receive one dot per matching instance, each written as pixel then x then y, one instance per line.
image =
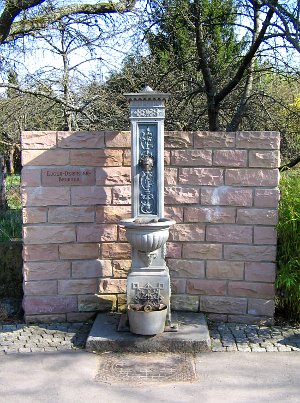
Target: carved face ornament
pixel 147 162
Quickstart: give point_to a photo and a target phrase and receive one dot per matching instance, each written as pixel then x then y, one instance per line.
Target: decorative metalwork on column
pixel 148 170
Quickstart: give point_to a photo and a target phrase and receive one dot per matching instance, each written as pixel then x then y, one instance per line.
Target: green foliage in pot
pixel 288 254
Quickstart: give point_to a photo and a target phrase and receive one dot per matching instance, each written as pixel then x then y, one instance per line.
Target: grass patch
pixel 11 219
pixel 288 252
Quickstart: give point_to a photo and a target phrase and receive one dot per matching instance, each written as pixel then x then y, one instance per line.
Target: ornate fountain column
pixel 148 283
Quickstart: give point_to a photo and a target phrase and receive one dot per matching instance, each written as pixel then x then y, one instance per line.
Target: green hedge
pixel 288 252
pixel 11 277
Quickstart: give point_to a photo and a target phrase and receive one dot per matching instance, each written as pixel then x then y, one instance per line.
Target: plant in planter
pixel 147 315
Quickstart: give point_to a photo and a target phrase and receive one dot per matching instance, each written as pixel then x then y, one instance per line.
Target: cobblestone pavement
pixel 247 338
pixel 22 338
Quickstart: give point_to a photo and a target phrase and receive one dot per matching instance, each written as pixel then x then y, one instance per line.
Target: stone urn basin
pixel 147 235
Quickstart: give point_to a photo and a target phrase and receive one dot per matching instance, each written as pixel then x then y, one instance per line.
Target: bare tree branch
pixel 10 30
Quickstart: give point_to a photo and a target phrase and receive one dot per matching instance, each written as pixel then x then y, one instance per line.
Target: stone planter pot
pixel 147 323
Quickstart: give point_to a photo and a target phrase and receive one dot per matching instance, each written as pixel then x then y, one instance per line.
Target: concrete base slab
pixel 192 336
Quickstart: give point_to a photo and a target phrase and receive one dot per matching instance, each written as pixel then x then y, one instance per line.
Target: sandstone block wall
pixel 221 188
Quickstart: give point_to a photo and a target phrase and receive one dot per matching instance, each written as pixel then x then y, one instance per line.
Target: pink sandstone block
pixel 121 268
pixel 112 214
pixel 227 196
pixel 230 158
pixel 90 195
pixel 167 157
pixel 71 214
pixel 31 177
pixel 252 177
pixel 218 304
pixel 261 307
pixel 68 176
pixel 218 215
pixel 260 271
pixel 34 215
pixel 222 269
pixel 191 158
pixel 246 289
pixel 174 213
pixel 116 250
pixel 77 287
pixel 45 287
pixel 45 196
pixel 112 286
pixel 96 158
pixel 80 139
pixel 45 157
pixel 122 234
pixel 51 318
pixel 49 304
pixel 178 285
pixel 229 233
pixel 264 159
pixel 34 140
pixel 170 177
pixel 266 198
pixel 114 139
pixel 250 253
pixel 249 319
pixel 214 140
pixel 216 317
pixel 186 268
pixel 178 139
pixel 206 287
pixel 201 176
pixel 36 234
pixel 113 176
pixel 173 249
pixel 257 216
pixel 181 195
pixel 121 195
pixel 258 140
pixel 192 250
pixel 126 158
pixel 46 270
pixel 96 232
pixel 187 232
pixel 265 235
pixel 79 251
pixel 91 268
pixel 79 316
pixel 40 252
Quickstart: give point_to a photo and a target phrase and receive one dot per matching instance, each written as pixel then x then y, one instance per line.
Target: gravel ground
pixel 22 338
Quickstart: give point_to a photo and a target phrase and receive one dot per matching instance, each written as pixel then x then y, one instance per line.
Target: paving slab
pixel 192 336
pixel 68 377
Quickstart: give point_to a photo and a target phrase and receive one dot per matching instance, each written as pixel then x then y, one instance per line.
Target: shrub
pixel 11 218
pixel 288 253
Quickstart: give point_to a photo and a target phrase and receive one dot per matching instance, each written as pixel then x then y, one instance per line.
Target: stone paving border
pixel 22 338
pixel 253 338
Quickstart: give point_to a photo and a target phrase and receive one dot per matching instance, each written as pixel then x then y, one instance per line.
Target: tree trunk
pixel 12 160
pixel 3 204
pixel 213 114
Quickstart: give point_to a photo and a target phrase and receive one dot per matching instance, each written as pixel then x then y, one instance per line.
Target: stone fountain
pixel 148 282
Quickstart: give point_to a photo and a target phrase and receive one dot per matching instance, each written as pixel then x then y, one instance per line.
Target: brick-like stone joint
pixel 220 188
